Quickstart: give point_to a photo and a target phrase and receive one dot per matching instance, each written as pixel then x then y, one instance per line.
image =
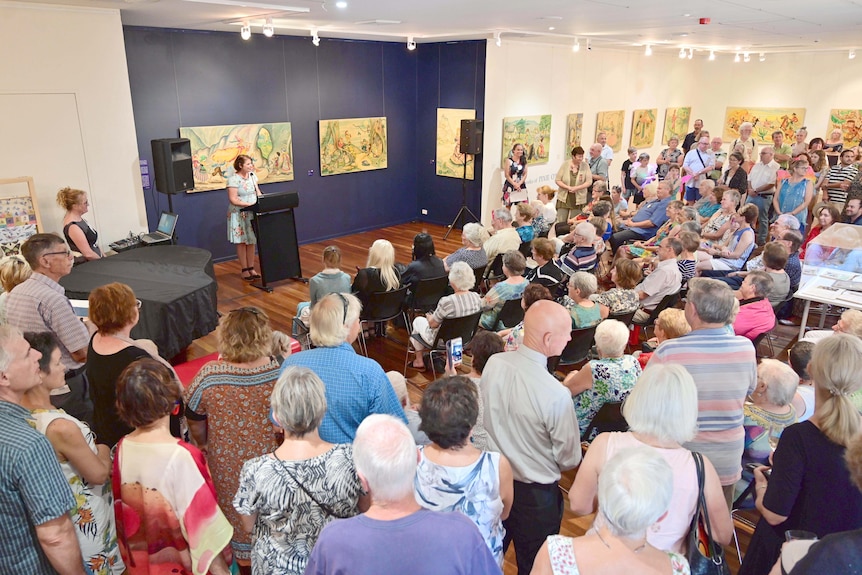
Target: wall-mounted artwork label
pixel 850 124
pixel 352 145
pixel 450 160
pixel 214 149
pixel 675 124
pixel 534 132
pixel 574 131
pixel 643 127
pixel 611 123
pixel 765 120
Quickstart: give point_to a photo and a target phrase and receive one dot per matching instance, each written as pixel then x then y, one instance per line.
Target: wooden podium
pixel 275 226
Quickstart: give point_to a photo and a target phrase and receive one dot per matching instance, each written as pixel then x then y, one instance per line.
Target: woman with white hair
pixel 849 322
pixel 634 491
pixel 461 303
pixel 286 497
pixel 473 236
pixel 607 379
pixel 749 145
pixel 661 412
pixel 584 311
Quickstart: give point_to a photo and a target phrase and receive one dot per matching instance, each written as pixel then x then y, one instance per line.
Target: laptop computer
pixel 165 230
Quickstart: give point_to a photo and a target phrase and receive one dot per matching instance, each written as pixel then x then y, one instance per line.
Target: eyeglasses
pixel 66 253
pixel 345 304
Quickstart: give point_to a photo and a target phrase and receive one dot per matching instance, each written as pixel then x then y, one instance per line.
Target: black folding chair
pixel 382 307
pixel 425 295
pixel 463 327
pixel 667 301
pixel 480 277
pixel 494 272
pixel 526 249
pixel 512 313
pixel 576 351
pixel 626 318
pixel 608 418
pixel 767 335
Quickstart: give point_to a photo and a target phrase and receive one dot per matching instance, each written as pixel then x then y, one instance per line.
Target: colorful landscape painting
pixel 643 128
pixel 574 130
pixel 214 148
pixel 352 145
pixel 850 124
pixel 765 120
pixel 611 123
pixel 675 123
pixel 534 132
pixel 450 160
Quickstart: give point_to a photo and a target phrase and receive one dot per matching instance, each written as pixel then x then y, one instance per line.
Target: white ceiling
pixel 736 25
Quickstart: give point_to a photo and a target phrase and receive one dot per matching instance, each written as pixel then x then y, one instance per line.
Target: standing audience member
pixel 473 237
pixel 665 279
pixel 670 156
pixel 286 497
pixel 40 304
pixel 698 162
pixel 598 162
pixel 452 474
pixel 723 366
pixel 13 271
pixel 229 435
pixel 748 145
pixel 529 419
pixel 692 137
pixel 168 518
pixel 384 538
pixel 795 193
pixel 735 177
pixel 782 150
pixel 574 179
pixel 38 533
pixel 761 189
pixel 839 178
pixel 720 158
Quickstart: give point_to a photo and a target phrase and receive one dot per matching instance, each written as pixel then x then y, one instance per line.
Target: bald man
pixel 530 419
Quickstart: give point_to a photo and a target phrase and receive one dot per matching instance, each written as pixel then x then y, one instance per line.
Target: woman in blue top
pixel 795 193
pixel 732 256
pixel 242 191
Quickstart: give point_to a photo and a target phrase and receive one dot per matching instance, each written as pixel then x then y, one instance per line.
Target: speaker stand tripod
pixel 461 215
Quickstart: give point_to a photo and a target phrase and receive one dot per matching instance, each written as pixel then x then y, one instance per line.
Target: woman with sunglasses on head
pixel 795 193
pixel 228 410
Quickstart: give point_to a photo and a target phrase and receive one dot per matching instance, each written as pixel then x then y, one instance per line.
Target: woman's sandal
pixel 254 274
pixel 249 278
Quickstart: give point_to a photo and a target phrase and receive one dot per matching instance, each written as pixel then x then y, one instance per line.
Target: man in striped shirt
pixel 839 178
pixel 724 368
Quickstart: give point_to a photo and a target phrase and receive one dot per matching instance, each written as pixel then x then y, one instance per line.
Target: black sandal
pixel 248 278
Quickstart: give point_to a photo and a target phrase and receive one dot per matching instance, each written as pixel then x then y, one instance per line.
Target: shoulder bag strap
pixel 326 509
pixel 715 550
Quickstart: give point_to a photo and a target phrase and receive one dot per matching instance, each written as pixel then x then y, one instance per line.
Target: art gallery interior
pixel 89 91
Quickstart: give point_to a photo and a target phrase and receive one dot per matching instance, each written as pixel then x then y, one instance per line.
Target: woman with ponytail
pixel 809 487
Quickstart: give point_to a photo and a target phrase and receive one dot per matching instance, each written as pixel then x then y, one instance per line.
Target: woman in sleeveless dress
pixel 242 191
pixel 78 233
pixel 795 193
pixel 515 174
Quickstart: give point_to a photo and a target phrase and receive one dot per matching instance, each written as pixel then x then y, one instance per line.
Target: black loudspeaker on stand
pixel 172 166
pixel 470 143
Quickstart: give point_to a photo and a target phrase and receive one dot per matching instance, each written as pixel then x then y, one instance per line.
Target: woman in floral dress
pixel 242 191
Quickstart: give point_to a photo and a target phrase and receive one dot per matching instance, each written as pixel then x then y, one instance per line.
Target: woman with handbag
pixel 286 497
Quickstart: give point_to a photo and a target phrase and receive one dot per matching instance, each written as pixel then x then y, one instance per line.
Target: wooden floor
pixel 281 305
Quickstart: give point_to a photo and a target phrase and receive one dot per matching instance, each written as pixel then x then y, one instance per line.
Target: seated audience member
pixel 13 271
pixel 773 261
pixel 687 260
pixel 664 280
pixel 619 203
pixel 642 248
pixel 809 487
pixel 452 474
pixel 162 482
pixel 646 222
pixel 79 235
pixel 546 272
pixel 473 237
pixel 505 238
pixel 853 210
pixel 585 312
pixel 720 222
pixel 399 384
pixel 650 193
pixel 524 214
pixel 244 374
pixel 356 386
pixel 483 345
pixel 849 322
pixel 661 412
pixel 824 216
pixel 287 496
pixel 608 379
pixel 709 202
pixel 634 491
pixel 669 324
pixel 732 254
pixel 461 303
pixel 755 314
pixel 511 288
pixel 384 538
pixel 86 465
pixel 799 357
pixel 622 298
pixel 380 273
pixel 425 264
pixel 514 336
pixel 541 225
pixel 582 255
pixel 280 346
pixel 545 194
pixel 330 280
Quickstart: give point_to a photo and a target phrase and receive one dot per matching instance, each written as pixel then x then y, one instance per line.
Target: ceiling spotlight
pixel 497 40
pixel 763 56
pixel 576 47
pixel 268 29
pixel 551 28
pixel 648 50
pixel 341 5
pixel 315 39
pixel 746 57
pixel 690 53
pixel 245 31
pixel 711 55
pixel 589 44
pixel 851 54
pixel 411 45
pixel 682 53
pixel 736 59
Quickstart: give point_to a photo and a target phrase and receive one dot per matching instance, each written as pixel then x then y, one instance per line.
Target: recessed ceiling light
pixel 341 4
pixel 551 28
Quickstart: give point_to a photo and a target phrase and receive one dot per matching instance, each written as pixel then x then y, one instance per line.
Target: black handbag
pixel 705 556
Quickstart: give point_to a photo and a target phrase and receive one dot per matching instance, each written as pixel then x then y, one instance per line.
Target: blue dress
pixel 790 196
pixel 473 490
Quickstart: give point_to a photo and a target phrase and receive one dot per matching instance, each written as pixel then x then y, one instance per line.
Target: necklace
pixel 635 550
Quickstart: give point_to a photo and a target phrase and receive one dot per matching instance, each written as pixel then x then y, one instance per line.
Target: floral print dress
pixel 613 379
pixel 563 560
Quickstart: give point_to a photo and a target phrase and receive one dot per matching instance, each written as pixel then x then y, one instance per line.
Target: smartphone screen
pixel 454 351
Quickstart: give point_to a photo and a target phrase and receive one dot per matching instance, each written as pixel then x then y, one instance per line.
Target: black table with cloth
pixel 176 285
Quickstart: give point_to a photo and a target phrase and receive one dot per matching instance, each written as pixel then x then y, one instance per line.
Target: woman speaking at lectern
pixel 242 191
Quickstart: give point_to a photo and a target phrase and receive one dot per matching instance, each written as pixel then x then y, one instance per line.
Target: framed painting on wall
pixel 643 128
pixel 850 124
pixel 214 148
pixel 352 145
pixel 675 124
pixel 574 130
pixel 611 123
pixel 450 161
pixel 534 132
pixel 765 120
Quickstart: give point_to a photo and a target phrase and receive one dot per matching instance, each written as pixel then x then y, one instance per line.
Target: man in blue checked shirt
pixel 356 386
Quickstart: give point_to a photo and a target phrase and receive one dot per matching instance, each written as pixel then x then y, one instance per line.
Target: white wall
pixel 524 78
pixel 66 67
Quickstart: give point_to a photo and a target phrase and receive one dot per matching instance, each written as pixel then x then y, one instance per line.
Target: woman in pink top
pixel 661 411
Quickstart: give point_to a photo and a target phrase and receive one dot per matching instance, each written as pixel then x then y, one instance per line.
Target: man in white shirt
pixel 664 280
pixel 697 163
pixel 607 151
pixel 761 188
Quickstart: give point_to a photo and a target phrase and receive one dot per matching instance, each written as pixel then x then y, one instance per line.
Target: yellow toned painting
pixel 214 148
pixel 643 128
pixel 574 130
pixel 352 145
pixel 765 120
pixel 534 132
pixel 450 160
pixel 611 123
pixel 850 124
pixel 675 123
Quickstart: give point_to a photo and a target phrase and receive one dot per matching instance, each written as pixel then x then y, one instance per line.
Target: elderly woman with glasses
pixel 228 410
